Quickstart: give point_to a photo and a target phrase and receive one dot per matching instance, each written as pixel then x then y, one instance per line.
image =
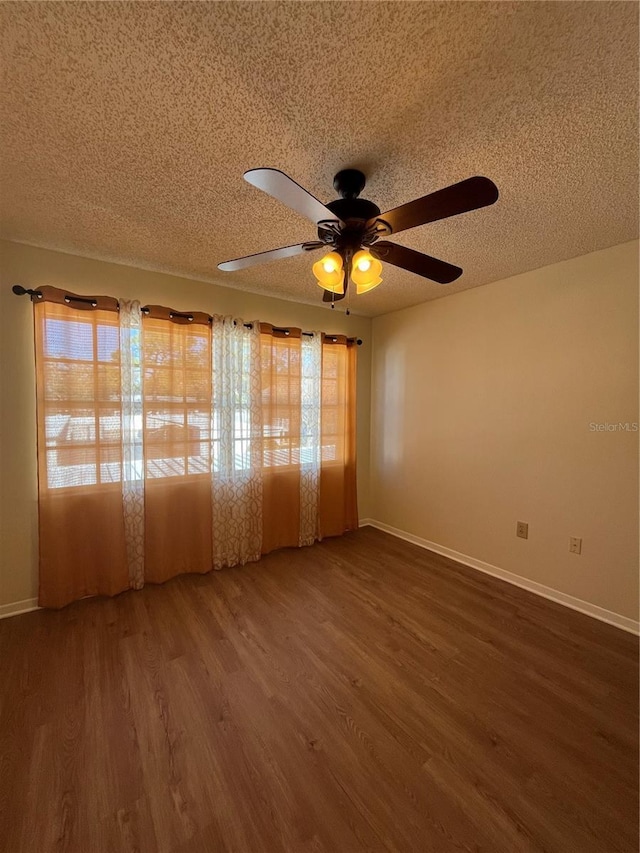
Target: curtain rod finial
pixel 19 290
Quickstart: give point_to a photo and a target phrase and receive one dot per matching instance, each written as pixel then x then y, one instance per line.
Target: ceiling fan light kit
pixel 367 286
pixel 351 227
pixel 366 271
pixel 329 272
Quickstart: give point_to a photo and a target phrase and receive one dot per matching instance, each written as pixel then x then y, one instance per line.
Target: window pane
pixel 334 403
pixel 177 398
pixel 78 383
pixel 67 337
pixel 281 400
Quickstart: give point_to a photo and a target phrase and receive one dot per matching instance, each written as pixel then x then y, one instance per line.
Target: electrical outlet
pixel 522 529
pixel 575 545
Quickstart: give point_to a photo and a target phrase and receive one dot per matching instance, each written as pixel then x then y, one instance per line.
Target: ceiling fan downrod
pixel 349 183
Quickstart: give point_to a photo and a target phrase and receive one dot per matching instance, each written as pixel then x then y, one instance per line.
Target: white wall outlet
pixel 575 545
pixel 522 529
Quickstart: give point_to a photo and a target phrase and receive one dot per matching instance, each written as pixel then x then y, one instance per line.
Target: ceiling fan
pixel 352 227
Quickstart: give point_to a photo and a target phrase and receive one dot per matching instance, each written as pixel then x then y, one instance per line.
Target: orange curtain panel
pixel 338 493
pixel 81 522
pixel 177 391
pixel 280 372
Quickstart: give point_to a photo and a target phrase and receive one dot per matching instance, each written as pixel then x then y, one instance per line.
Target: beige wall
pixel 32 267
pixel 481 406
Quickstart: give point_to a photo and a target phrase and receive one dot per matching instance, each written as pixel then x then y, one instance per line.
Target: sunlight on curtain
pixel 338 496
pixel 281 390
pixel 176 368
pixel 236 485
pixel 172 443
pixel 81 521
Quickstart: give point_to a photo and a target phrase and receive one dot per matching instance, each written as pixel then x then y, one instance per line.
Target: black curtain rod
pixel 19 290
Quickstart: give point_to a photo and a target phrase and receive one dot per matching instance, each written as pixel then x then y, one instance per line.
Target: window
pixel 233 420
pixel 173 442
pixel 189 404
pixel 280 365
pixel 176 367
pixel 79 397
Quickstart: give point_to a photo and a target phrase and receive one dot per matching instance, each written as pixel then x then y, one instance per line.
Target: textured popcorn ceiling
pixel 125 130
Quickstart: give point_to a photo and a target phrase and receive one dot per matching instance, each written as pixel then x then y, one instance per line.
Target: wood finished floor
pixel 363 694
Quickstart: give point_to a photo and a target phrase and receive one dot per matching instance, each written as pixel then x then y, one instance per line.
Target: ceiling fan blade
pixel 416 262
pixel 275 183
pixel 327 296
pixel 272 255
pixel 458 198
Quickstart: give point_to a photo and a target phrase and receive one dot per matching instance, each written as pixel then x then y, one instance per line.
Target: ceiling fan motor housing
pixel 354 208
pixel 353 211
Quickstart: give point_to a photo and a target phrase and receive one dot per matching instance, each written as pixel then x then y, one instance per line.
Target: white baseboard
pixel 17 607
pixel 623 622
pixel 593 610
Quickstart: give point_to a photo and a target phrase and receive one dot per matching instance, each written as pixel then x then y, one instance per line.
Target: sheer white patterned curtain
pixel 236 432
pixel 310 432
pixel 130 322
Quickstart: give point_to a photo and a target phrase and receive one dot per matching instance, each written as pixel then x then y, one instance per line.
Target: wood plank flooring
pixel 362 694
